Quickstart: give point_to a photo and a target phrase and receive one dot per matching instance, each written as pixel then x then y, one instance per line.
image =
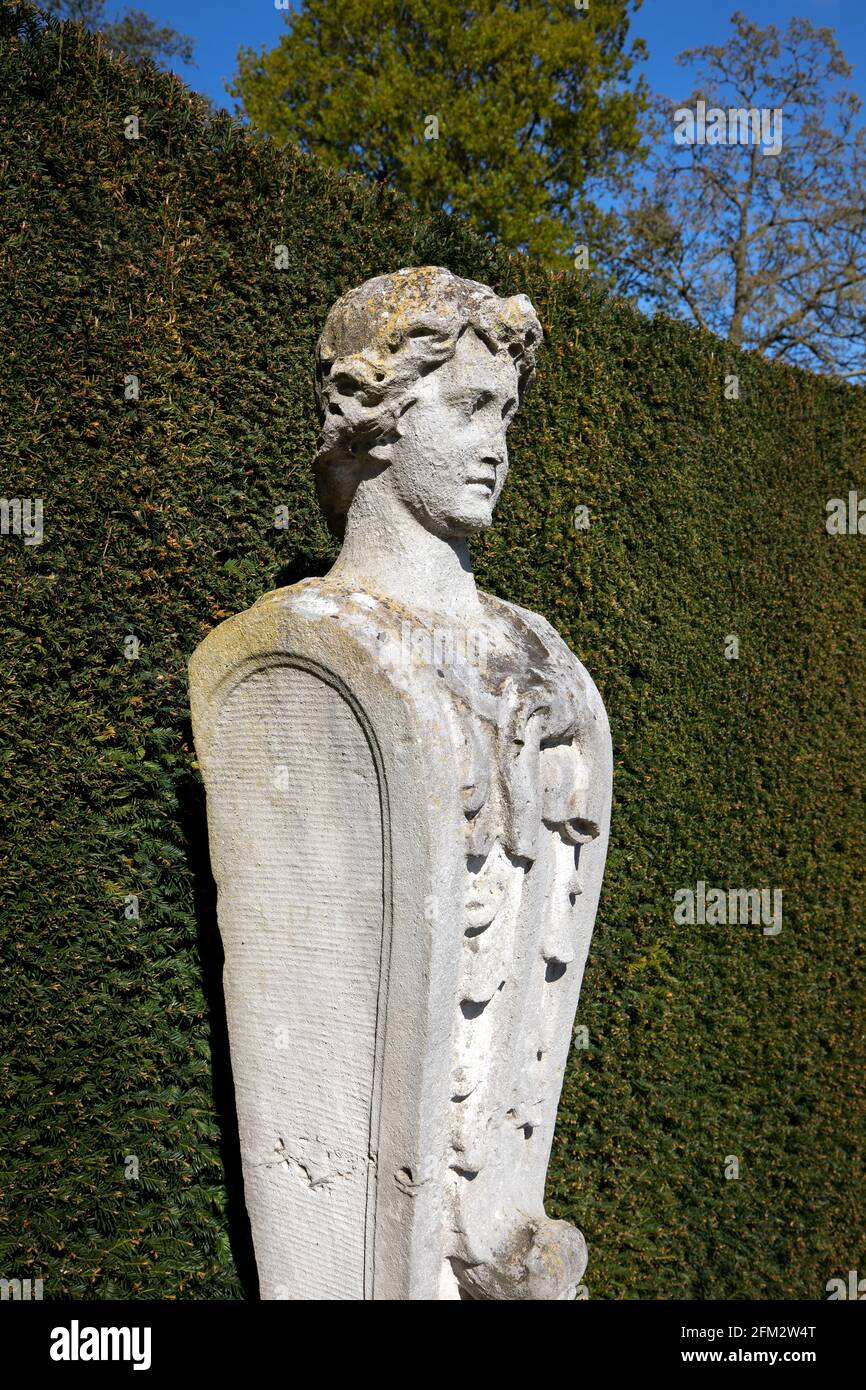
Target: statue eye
pixel 346 385
pixel 482 399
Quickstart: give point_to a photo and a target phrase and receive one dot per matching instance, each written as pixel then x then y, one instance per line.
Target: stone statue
pixel 408 788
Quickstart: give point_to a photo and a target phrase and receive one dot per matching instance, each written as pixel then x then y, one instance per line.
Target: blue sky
pixel 221 27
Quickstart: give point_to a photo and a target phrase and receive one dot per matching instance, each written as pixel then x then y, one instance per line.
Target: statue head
pixel 420 373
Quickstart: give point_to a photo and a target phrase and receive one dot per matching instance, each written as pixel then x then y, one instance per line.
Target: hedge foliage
pixel 156 258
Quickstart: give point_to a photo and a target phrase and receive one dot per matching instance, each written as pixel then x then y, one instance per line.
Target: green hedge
pixel 155 258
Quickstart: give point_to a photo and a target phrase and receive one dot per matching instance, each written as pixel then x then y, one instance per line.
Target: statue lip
pixel 486 480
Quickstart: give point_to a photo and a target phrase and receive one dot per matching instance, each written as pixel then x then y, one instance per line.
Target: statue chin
pixel 467 522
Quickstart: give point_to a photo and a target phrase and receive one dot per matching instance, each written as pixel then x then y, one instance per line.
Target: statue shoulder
pixel 518 617
pixel 355 635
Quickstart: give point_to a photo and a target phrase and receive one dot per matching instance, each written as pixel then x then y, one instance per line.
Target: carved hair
pixel 378 340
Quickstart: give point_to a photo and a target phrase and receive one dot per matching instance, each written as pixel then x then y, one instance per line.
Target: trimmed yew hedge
pixel 155 258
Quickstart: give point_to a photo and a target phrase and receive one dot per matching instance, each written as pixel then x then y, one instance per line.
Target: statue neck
pixel 388 551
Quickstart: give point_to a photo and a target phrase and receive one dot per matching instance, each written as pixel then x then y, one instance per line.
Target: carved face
pixel 450 464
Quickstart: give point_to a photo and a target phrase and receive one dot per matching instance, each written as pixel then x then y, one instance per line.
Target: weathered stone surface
pixel 408 791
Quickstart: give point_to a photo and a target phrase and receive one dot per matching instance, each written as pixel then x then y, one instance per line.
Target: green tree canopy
pixel 514 114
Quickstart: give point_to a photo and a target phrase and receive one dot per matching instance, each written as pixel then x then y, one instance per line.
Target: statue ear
pixel 382 450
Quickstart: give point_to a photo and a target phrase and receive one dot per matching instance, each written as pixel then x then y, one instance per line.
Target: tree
pixel 514 114
pixel 133 34
pixel 765 247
